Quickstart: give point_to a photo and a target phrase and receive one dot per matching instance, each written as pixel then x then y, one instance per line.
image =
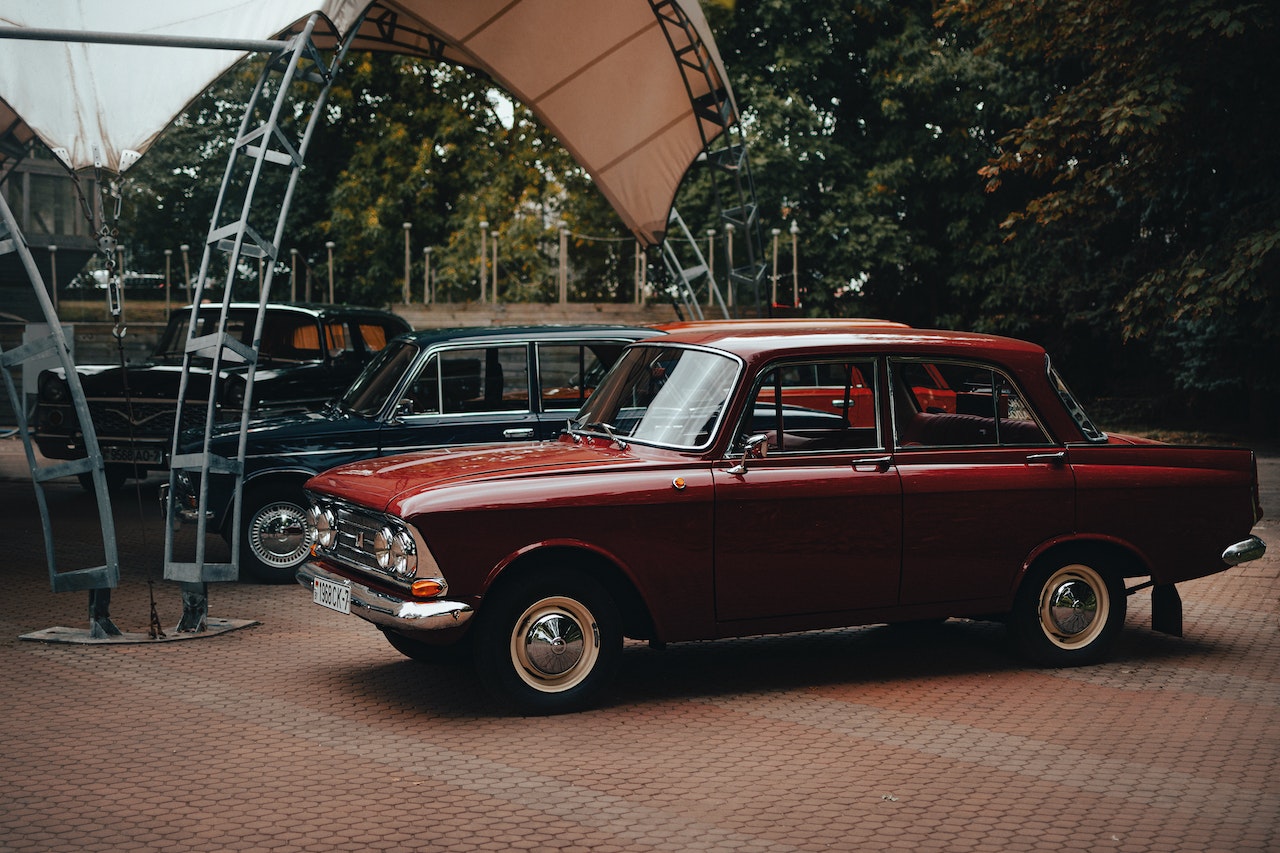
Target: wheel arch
pixel 637 620
pixel 1103 552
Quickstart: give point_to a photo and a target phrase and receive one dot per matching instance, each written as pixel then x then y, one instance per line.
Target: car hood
pixel 151 380
pixel 391 483
pixel 298 430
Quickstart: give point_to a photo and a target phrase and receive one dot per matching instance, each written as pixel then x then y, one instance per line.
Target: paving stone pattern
pixel 309 733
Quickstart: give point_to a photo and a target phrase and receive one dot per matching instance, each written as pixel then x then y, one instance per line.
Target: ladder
pixel 97 580
pixel 264 141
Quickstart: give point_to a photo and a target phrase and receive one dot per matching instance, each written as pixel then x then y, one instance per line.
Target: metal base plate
pixel 213 627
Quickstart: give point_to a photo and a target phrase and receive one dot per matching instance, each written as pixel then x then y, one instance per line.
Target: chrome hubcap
pixel 1073 606
pixel 554 644
pixel 279 536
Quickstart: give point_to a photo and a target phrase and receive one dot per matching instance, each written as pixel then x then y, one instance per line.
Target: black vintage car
pixel 428 389
pixel 307 354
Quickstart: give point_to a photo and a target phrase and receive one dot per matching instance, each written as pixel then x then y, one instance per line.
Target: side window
pixel 488 379
pixel 375 335
pixel 337 339
pixel 958 404
pixel 289 337
pixel 569 372
pixel 816 406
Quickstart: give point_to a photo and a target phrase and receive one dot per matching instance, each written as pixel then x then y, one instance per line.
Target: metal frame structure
pixel 716 112
pixel 97 580
pixel 258 145
pixel 262 143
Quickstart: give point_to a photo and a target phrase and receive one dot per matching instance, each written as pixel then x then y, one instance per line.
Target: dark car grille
pixel 150 419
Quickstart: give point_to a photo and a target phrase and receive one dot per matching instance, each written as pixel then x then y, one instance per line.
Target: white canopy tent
pixel 606 77
pixel 634 89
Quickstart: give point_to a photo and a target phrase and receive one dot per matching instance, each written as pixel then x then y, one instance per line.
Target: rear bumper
pixel 391 611
pixel 1244 551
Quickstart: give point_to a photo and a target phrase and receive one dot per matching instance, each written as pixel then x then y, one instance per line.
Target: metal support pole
pixel 711 265
pixel 426 275
pixel 795 264
pixel 186 269
pixel 562 274
pixel 168 280
pixel 407 227
pixel 329 247
pixel 53 276
pixel 293 275
pixel 774 296
pixel 728 236
pixel 494 291
pixel 484 271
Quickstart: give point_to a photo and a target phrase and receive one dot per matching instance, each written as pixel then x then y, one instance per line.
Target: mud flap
pixel 1166 609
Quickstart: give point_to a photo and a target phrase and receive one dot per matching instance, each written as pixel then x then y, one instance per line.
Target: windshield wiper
pixel 598 427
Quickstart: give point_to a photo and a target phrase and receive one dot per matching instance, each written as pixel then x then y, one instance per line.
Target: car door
pixel 982 483
pixel 463 395
pixel 814 526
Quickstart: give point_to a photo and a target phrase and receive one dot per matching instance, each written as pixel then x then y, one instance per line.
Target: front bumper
pixel 1244 551
pixel 388 610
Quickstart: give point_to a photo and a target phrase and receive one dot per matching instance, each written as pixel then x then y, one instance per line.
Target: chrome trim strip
pixel 391 611
pixel 1243 552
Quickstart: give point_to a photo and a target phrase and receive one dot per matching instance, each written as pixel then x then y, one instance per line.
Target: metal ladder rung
pixel 200 572
pixel 207 345
pixel 195 462
pixel 78 580
pixel 64 469
pixel 26 351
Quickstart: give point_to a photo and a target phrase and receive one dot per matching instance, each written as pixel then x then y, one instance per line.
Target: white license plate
pixel 330 594
pixel 137 454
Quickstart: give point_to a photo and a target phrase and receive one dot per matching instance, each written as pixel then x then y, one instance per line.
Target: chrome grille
pixel 150 419
pixel 356 530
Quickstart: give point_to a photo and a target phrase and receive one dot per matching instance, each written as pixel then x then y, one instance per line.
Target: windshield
pixel 662 395
pixel 1074 408
pixel 373 387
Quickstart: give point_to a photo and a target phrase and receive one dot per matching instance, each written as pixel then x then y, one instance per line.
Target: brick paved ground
pixel 308 732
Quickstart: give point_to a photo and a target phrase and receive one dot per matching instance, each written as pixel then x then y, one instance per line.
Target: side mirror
pixel 404 408
pixel 757 447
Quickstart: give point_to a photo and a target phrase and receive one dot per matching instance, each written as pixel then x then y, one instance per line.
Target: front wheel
pixel 1068 613
pixel 548 643
pixel 274 537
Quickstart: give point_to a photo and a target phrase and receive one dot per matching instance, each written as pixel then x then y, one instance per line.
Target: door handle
pixel 524 432
pixel 1050 458
pixel 877 463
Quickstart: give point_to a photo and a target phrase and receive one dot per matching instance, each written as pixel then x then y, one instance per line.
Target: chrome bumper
pixel 391 611
pixel 1242 552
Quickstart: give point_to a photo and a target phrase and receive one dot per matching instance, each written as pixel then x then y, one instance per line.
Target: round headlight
pixel 382 547
pixel 404 557
pixel 53 389
pixel 323 525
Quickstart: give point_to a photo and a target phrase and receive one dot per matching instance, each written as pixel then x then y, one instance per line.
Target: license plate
pixel 135 454
pixel 330 594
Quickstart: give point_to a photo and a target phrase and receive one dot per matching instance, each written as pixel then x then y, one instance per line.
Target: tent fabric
pixel 602 76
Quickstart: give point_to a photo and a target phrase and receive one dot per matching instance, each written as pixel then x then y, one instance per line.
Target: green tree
pixel 1146 152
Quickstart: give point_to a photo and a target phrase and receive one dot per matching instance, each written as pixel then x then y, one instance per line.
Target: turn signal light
pixel 426 588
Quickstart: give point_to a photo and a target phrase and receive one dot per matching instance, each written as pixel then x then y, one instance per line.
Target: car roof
pixel 748 338
pixel 314 309
pixel 488 334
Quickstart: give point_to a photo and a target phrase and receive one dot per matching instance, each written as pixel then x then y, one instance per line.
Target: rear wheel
pixel 548 643
pixel 1068 613
pixel 274 537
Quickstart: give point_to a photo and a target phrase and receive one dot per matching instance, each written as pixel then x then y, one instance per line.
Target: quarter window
pixel 568 372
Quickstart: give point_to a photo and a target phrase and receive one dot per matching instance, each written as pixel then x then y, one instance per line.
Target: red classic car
pixel 691 498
